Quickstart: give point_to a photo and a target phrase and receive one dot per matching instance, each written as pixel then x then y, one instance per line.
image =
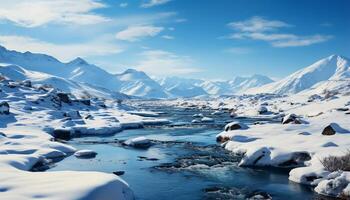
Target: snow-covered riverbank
pixel 27 139
pixel 311 128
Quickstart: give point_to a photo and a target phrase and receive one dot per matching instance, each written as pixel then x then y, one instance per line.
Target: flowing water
pixel 184 163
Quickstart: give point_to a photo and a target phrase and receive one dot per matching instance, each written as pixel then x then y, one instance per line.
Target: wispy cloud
pixel 40 12
pixel 258 28
pixel 168 37
pixel 64 52
pixel 123 5
pixel 257 24
pixel 145 19
pixel 162 63
pixel 151 3
pixel 302 41
pixel 136 33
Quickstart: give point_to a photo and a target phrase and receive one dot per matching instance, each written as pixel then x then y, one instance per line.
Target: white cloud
pixel 135 33
pixel 257 24
pixel 168 37
pixel 302 41
pixel 161 63
pixel 39 12
pixel 151 3
pixel 258 28
pixel 123 5
pixel 64 52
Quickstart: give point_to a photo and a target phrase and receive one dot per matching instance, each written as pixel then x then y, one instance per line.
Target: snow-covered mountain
pixel 138 83
pixel 196 87
pixel 77 70
pixel 328 73
pixel 182 87
pixel 79 89
pixel 130 82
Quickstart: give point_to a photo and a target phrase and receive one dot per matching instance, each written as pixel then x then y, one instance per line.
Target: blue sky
pixel 214 39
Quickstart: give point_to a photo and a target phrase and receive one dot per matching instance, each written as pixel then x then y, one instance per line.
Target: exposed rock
pixel 119 173
pixel 63 97
pixel 85 101
pixel 234 126
pixel 74 114
pixel 4 108
pixel 329 130
pixel 63 134
pixel 342 109
pixel 262 110
pixel 290 119
pixel 297 159
pixel 222 139
pixel 27 83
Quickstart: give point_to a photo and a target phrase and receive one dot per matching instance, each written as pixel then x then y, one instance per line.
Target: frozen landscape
pixel 292 124
pixel 169 99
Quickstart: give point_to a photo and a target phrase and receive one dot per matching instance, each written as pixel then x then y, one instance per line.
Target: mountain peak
pixel 78 61
pixel 128 71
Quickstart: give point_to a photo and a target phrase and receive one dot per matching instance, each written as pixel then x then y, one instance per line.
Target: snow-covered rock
pixel 207 120
pixel 139 142
pixel 336 184
pixel 85 153
pixel 234 126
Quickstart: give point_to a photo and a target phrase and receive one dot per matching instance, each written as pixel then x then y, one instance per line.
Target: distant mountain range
pixel 331 73
pixel 79 76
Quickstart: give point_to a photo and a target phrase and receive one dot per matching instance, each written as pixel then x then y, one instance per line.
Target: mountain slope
pixel 137 83
pixel 77 70
pixel 182 87
pixel 327 73
pixel 17 73
pixel 242 84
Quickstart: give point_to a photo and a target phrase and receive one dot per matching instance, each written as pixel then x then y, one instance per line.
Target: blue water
pixel 151 183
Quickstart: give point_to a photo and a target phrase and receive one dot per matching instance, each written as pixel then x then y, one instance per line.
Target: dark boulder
pixel 4 108
pixel 119 173
pixel 329 130
pixel 64 97
pixel 291 119
pixel 62 134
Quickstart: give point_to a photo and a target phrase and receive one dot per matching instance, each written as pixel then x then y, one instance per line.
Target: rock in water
pixel 119 173
pixel 139 142
pixel 329 130
pixel 85 153
pixel 4 108
pixel 222 139
pixel 207 119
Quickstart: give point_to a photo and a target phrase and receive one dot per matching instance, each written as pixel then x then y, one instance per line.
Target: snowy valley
pixel 47 107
